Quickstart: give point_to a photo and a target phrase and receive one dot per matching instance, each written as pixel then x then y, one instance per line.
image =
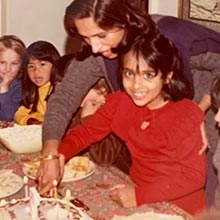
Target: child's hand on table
pixel 123 195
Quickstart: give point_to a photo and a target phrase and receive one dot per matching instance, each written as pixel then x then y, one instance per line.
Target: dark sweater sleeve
pixel 80 77
pixel 10 101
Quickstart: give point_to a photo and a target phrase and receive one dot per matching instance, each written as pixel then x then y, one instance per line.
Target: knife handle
pixel 78 203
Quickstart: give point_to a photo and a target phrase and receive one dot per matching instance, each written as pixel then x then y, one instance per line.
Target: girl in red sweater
pixel 159 124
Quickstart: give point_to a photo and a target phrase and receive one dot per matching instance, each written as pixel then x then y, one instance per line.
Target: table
pixel 92 191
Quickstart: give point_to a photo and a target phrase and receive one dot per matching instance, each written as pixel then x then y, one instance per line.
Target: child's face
pixel 143 85
pixel 217 117
pixel 10 63
pixel 39 71
pixel 94 95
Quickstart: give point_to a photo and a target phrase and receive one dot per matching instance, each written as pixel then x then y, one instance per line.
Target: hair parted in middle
pixel 109 14
pixel 41 50
pixel 161 55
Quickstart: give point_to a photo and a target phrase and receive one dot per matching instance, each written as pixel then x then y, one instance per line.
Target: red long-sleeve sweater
pixel 165 161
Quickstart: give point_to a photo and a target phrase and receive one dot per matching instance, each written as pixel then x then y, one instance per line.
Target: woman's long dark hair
pixel 161 55
pixel 41 50
pixel 109 14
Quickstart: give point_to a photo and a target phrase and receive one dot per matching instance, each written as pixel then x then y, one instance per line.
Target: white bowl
pixel 24 139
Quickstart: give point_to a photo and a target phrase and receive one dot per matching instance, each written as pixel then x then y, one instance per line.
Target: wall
pixel 164 7
pixel 35 20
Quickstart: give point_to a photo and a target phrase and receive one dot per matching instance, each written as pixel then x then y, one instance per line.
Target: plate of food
pixel 10 183
pixel 77 168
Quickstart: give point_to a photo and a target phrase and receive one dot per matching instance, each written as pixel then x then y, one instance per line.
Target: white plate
pixel 10 183
pixel 91 170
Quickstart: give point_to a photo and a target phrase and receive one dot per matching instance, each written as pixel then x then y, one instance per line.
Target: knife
pixel 78 203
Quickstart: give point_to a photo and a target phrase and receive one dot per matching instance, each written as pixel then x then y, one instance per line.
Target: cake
pixel 36 208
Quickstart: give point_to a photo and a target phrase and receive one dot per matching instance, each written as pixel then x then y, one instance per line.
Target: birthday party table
pixel 92 191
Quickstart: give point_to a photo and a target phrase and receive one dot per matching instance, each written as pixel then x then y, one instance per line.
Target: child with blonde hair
pixel 12 50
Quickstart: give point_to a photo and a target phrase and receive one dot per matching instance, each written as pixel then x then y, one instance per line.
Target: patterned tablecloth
pixel 92 191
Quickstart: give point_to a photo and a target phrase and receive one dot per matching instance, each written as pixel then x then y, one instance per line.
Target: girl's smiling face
pixel 141 82
pixel 39 71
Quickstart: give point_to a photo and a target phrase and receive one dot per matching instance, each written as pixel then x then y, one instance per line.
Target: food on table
pixel 77 167
pixel 35 207
pixel 149 216
pixel 24 139
pixel 10 183
pixel 31 167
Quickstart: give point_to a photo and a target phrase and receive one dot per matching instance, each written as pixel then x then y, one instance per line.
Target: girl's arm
pixel 205 102
pixel 76 139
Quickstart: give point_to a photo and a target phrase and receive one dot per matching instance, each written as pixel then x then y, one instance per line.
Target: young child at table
pixel 159 124
pixel 215 101
pixel 38 81
pixel 108 151
pixel 12 50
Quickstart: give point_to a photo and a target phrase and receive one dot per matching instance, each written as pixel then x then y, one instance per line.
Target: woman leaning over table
pixel 106 33
pixel 101 28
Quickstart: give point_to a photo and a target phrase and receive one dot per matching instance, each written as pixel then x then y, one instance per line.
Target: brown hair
pixel 109 14
pixel 41 50
pixel 100 85
pixel 12 42
pixel 163 57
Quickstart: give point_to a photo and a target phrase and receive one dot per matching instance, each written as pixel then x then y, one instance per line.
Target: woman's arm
pixel 68 96
pixel 80 77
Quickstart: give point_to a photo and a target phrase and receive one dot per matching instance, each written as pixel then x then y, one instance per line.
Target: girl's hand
pixel 90 107
pixel 7 78
pixel 49 171
pixel 123 195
